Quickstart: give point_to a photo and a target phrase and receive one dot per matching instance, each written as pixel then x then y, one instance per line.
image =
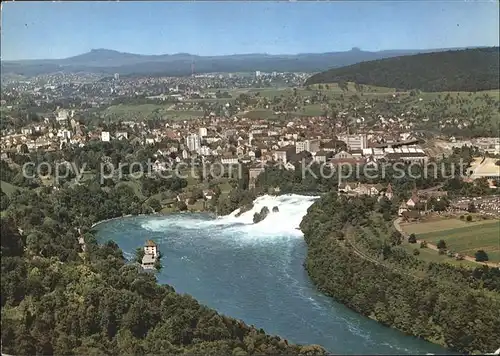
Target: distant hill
pixel 459 70
pixel 108 62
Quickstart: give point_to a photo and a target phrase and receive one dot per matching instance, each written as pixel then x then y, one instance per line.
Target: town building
pixel 284 153
pixel 355 142
pixel 148 261
pixel 151 248
pixel 193 142
pixel 105 137
pixel 151 255
pixel 307 145
pixel 253 173
pixel 202 131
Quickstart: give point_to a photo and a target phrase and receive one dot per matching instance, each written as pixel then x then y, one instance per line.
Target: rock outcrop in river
pixel 258 217
pixel 244 209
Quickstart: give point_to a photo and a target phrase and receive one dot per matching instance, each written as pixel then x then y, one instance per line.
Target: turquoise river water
pixel 254 272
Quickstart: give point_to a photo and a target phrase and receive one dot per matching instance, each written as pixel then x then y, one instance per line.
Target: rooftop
pixel 150 243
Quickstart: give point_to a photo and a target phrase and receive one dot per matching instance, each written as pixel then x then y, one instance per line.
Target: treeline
pixel 456 308
pixel 59 298
pixel 463 70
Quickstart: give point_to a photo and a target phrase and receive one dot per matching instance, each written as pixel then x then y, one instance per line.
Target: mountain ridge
pixel 108 61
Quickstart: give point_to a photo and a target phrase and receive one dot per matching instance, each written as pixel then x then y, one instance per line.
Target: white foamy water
pixel 284 223
pixel 254 272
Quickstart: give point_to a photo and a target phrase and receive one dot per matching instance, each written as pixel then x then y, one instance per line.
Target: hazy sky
pixel 62 29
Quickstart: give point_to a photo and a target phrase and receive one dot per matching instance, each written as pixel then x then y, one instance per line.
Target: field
pixel 460 101
pixel 8 188
pixel 429 255
pixel 460 236
pixel 143 111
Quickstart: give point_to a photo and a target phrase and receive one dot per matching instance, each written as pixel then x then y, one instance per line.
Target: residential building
pixel 413 201
pixel 343 154
pixel 148 261
pixel 355 142
pixel 253 173
pixel 347 187
pixel 388 192
pixel 122 135
pixel 402 208
pixel 62 115
pixel 193 142
pixel 105 137
pixel 407 157
pixel 205 151
pixel 369 189
pixel 307 145
pixel 27 130
pixel 284 153
pixel 229 160
pixel 334 146
pixel 203 131
pixel 321 156
pixel 151 248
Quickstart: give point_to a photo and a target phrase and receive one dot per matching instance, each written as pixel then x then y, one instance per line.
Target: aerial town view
pixel 250 178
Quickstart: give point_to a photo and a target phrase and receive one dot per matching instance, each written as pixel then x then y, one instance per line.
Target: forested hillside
pixel 353 256
pixel 463 70
pixel 58 299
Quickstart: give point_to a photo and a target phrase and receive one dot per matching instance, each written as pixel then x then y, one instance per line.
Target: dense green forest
pixel 463 70
pixel 354 256
pixel 58 298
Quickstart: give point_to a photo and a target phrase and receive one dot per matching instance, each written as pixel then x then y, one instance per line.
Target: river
pixel 254 272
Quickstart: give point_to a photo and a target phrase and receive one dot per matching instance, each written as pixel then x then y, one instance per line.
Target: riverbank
pixel 429 302
pixel 209 213
pixel 254 272
pixel 125 216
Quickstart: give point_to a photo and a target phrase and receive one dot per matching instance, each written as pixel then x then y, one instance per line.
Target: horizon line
pixel 250 53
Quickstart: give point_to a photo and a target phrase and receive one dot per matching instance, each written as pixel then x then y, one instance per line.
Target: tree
pixel 4 201
pixel 24 149
pixel 158 266
pixel 412 239
pixel 197 193
pixel 139 254
pixel 343 85
pixel 468 218
pixel 396 238
pixel 182 206
pixel 154 204
pixel 471 208
pixel 441 245
pixel 481 256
